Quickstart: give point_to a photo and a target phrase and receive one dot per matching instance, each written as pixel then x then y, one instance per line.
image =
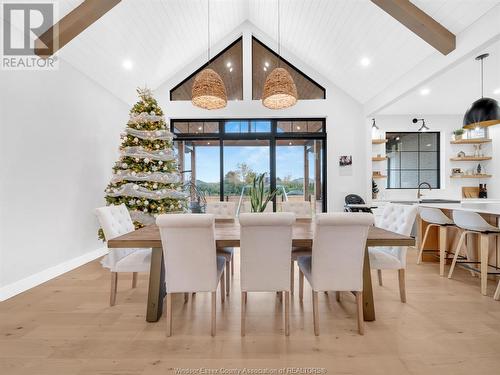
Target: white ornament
pixel 135 187
pixel 146 203
pixel 146 160
pixel 160 162
pixel 124 165
pixel 145 210
pixel 155 186
pixel 136 140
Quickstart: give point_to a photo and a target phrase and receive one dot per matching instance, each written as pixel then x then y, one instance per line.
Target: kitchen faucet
pixel 419 194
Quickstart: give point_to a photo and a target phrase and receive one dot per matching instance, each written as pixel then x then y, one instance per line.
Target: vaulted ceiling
pixel 159 37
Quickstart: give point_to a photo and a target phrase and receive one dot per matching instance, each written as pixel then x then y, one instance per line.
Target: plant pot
pixel 458 137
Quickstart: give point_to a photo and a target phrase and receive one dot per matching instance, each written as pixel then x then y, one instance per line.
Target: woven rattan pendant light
pixel 208 90
pixel 279 89
pixel 483 112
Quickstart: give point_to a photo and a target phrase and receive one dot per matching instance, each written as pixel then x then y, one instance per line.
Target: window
pixel 220 157
pixel 229 65
pixel 412 158
pixel 264 60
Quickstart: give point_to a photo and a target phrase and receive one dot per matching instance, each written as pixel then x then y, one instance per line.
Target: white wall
pixel 450 188
pixel 59 140
pixel 345 122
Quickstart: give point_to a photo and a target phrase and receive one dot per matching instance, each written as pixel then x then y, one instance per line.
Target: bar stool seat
pixel 473 223
pixel 436 218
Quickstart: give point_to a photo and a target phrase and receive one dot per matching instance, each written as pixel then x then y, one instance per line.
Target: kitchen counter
pixel 489 208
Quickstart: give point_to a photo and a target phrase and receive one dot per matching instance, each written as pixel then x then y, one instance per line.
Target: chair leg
pixel 497 293
pixel 420 253
pixel 338 296
pixel 359 304
pixel 287 313
pixel 169 314
pixel 214 310
pixel 292 276
pixel 379 275
pixel 485 244
pixel 134 280
pixel 315 313
pixel 443 235
pixel 280 296
pixel 301 285
pixel 243 308
pixel 222 287
pixel 457 252
pixel 232 265
pixel 114 285
pixel 186 297
pixel 402 284
pixel 228 270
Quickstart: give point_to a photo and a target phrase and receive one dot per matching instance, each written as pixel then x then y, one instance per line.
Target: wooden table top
pixel 227 234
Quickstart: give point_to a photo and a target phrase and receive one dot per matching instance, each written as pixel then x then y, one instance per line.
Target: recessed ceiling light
pixel 208 143
pixel 289 143
pixel 266 64
pixel 127 64
pixel 425 91
pixel 265 69
pixel 365 61
pixel 200 128
pixel 496 91
pixel 228 64
pixel 230 70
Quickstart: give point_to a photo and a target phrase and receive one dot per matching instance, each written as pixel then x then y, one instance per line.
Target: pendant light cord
pixel 279 35
pixel 208 27
pixel 482 79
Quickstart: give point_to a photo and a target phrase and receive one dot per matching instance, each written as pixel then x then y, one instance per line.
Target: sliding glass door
pixel 221 158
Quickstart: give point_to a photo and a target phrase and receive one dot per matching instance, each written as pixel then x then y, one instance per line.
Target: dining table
pixel 227 234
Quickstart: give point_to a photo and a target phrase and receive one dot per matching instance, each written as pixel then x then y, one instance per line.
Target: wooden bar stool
pixel 473 223
pixel 436 218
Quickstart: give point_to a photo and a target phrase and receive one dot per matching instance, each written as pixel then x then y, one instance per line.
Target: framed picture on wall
pixel 477 133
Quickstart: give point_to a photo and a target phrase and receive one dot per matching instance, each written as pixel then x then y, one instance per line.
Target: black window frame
pixel 271 136
pixel 418 170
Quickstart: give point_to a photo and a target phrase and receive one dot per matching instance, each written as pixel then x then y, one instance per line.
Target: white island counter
pixel 489 208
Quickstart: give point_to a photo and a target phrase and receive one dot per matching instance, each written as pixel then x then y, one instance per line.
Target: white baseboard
pixel 29 282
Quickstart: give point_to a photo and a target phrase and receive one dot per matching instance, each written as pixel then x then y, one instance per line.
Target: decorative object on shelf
pixel 461 154
pixel 375 189
pixel 478 151
pixel 458 134
pixel 479 169
pixel 483 191
pixel 422 128
pixel 209 91
pixel 485 111
pixel 477 133
pixel 259 198
pixel 455 172
pixel 279 89
pixel 146 177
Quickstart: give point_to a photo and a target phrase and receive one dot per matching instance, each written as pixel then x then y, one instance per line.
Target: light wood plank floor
pixel 66 327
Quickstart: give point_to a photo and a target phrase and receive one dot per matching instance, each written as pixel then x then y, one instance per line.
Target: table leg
pixel 156 291
pixel 368 305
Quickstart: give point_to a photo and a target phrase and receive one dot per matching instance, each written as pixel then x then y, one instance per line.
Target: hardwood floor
pixel 66 326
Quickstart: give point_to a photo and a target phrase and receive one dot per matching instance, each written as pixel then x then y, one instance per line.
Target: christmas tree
pixel 146 177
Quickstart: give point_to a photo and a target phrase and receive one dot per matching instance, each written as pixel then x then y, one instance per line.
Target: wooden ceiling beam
pixel 71 25
pixel 420 23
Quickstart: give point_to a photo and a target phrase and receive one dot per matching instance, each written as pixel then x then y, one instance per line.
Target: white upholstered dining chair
pixel 265 248
pixel 116 221
pixel 302 210
pixel 224 211
pixel 337 259
pixel 398 218
pixel 191 261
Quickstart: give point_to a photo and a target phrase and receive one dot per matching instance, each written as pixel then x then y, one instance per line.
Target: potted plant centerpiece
pixel 259 197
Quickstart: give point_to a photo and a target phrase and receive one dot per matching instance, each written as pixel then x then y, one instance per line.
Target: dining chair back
pixel 116 221
pixel 265 248
pixel 191 262
pixel 189 252
pixel 301 209
pixel 338 251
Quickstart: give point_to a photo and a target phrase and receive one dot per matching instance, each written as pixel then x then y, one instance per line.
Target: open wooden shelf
pixel 470 141
pixel 378 141
pixel 472 158
pixel 378 176
pixel 472 176
pixel 379 158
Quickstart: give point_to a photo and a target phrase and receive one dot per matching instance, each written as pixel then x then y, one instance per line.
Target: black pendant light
pixel 483 112
pixel 374 125
pixel 424 127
